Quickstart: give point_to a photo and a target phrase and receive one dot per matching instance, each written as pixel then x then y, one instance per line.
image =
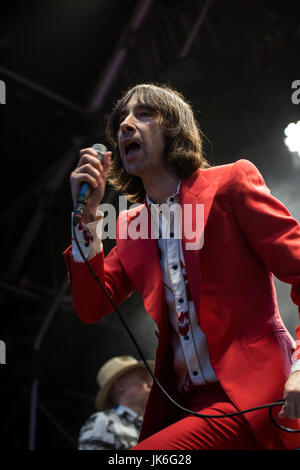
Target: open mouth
pixel 131 147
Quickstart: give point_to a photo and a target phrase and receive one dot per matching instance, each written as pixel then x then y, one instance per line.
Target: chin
pixel 133 171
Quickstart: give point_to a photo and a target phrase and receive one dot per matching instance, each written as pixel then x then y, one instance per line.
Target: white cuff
pixel 295 366
pixel 89 238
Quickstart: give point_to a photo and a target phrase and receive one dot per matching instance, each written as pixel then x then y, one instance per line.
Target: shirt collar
pixel 130 414
pixel 171 199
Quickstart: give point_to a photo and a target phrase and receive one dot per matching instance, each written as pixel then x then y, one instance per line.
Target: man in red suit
pixel 205 276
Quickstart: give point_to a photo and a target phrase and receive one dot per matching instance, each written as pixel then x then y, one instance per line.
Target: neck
pixel 160 186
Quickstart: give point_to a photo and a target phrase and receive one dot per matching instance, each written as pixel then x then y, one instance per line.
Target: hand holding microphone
pixel 88 182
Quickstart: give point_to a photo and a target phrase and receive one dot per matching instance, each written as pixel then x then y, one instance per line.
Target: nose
pixel 148 384
pixel 128 123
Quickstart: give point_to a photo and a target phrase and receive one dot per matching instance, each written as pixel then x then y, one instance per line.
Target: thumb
pixel 282 412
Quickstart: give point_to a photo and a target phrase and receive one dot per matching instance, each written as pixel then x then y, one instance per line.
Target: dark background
pixel 234 61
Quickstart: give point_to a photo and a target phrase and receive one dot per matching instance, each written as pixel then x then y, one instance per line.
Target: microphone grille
pixel 100 149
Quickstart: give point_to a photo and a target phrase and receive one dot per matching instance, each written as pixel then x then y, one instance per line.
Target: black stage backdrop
pixel 63 63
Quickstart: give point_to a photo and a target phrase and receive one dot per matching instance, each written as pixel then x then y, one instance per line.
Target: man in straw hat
pixel 120 402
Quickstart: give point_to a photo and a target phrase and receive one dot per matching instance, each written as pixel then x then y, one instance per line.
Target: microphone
pixel 85 189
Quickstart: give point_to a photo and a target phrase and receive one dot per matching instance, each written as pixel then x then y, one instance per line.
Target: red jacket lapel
pixel 195 190
pixel 141 261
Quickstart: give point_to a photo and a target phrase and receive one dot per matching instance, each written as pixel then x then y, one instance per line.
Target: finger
pixel 290 406
pixel 91 160
pixel 90 170
pixel 88 151
pixel 85 178
pixel 282 412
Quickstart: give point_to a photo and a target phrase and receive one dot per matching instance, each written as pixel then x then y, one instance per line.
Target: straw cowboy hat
pixel 109 373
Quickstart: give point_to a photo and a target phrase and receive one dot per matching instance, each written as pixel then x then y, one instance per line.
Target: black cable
pixel 194 413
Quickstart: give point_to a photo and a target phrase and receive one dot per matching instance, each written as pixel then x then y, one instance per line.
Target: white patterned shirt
pixel 116 428
pixel 191 356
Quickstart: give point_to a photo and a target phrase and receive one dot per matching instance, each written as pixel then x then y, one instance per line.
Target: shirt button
pixel 186 337
pixel 195 373
pixel 172 234
pixel 174 266
pixel 180 301
pixel 171 199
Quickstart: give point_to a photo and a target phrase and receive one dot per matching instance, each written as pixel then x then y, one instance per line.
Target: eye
pixel 145 112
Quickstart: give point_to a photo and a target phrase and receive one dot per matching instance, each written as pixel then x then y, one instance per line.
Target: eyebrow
pixel 138 106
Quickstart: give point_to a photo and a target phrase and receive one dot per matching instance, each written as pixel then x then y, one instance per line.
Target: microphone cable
pixel 194 413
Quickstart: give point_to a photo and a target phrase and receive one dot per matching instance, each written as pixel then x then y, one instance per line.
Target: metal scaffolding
pixel 170 34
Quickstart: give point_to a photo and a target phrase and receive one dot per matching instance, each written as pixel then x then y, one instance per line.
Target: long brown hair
pixel 183 142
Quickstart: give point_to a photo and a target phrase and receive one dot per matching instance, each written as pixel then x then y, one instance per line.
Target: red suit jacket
pixel 248 235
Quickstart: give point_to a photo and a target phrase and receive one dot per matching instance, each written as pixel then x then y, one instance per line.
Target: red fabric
pixel 192 433
pixel 248 235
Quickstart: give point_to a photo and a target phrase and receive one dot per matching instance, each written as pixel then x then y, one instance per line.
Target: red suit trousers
pixel 193 433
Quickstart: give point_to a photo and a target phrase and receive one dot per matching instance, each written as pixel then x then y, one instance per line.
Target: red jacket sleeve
pixel 89 301
pixel 269 227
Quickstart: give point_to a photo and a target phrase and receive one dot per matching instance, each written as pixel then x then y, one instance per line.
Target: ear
pixel 119 385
